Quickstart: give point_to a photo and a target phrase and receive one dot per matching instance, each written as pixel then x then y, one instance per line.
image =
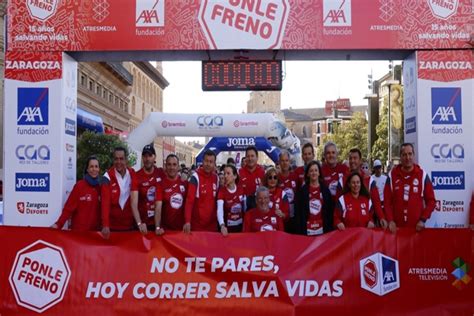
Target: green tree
pixel 349 135
pixel 380 147
pixel 101 146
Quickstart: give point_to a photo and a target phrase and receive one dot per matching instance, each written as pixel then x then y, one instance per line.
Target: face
pixel 221 178
pixel 313 173
pixel 148 161
pixel 330 155
pixel 307 155
pixel 378 171
pixel 407 156
pixel 93 168
pixel 263 199
pixel 251 159
pixel 229 176
pixel 171 167
pixel 209 164
pixel 354 184
pixel 354 161
pixel 272 180
pixel 365 167
pixel 120 162
pixel 284 163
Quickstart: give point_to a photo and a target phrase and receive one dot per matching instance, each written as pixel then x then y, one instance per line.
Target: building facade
pixel 264 102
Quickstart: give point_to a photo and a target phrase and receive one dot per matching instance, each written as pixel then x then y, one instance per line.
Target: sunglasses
pixel 272 178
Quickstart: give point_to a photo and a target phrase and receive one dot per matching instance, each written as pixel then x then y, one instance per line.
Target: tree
pixel 101 146
pixel 349 135
pixel 380 147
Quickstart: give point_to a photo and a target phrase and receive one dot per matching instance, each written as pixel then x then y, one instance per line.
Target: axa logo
pixel 446 107
pixel 33 153
pixel 70 127
pixel 448 180
pixel 33 106
pixel 447 152
pixel 150 13
pixel 210 121
pixel 337 13
pixel 31 182
pixel 379 274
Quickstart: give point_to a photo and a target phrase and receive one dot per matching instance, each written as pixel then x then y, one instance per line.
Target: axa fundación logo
pixel 33 111
pixel 446 110
pixel 379 274
pixel 150 13
pixel 337 15
pixel 460 273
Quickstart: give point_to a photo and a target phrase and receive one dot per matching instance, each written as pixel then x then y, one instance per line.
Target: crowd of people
pixel 309 200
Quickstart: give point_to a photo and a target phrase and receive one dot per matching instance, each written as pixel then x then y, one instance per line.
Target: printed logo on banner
pixel 70 127
pixel 461 269
pixel 33 208
pixel 337 13
pixel 429 273
pixel 150 13
pixel 446 106
pixel 447 153
pixel 449 206
pixel 170 124
pixel 71 105
pixel 42 9
pixel 238 123
pixel 210 122
pixel 33 154
pixel 31 182
pixel 69 147
pixel 240 142
pixel 379 274
pixel 33 106
pixel 448 180
pixel 443 9
pixel 410 125
pixel 39 276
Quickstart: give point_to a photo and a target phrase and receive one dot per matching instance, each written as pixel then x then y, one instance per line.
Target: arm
pixel 158 207
pixel 338 217
pixel 69 208
pixel 189 204
pixel 136 214
pixel 430 200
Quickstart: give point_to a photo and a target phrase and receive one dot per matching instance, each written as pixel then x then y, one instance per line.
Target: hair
pixel 262 189
pixel 209 152
pixel 329 144
pixel 92 157
pixel 234 171
pixel 121 148
pixel 363 189
pixel 230 160
pixel 250 148
pixel 267 173
pixel 405 145
pixel 357 151
pixel 306 172
pixel 284 152
pixel 308 145
pixel 172 156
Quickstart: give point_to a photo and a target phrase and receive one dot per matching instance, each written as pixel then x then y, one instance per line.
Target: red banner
pixel 358 271
pixel 52 25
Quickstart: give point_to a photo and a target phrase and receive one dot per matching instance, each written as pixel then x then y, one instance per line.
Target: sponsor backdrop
pixel 209 24
pixel 38 130
pixel 358 271
pixel 438 119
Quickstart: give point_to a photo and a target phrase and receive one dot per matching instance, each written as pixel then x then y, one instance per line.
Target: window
pixel 104 93
pixel 318 126
pixel 97 89
pixel 133 106
pixel 91 85
pixel 318 140
pixel 83 80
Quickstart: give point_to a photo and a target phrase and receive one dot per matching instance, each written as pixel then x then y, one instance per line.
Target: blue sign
pixel 389 271
pixel 448 180
pixel 32 182
pixel 446 107
pixel 70 127
pixel 410 125
pixel 33 106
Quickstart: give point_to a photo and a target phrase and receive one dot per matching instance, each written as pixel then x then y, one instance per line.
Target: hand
pixel 279 213
pixel 224 230
pixel 383 223
pixel 419 226
pixel 159 231
pixel 341 226
pixel 370 225
pixel 54 226
pixel 142 228
pixel 187 228
pixel 392 227
pixel 105 232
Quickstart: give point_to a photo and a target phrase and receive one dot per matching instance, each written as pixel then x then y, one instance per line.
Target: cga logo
pixel 448 180
pixel 337 13
pixel 33 154
pixel 209 122
pixel 32 106
pixel 32 182
pixel 379 274
pixel 447 152
pixel 150 13
pixel 446 106
pixel 70 127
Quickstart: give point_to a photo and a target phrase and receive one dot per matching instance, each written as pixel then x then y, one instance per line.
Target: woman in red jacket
pixel 83 204
pixel 354 207
pixel 278 198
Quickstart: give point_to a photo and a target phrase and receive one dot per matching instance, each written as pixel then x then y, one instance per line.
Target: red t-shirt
pixel 257 221
pixel 334 178
pixel 314 222
pixel 172 194
pixel 278 200
pixel 353 212
pixel 289 186
pixel 146 187
pixel 299 174
pixel 233 207
pixel 249 180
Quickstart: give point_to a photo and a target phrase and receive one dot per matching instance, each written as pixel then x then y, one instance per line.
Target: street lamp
pixel 389 84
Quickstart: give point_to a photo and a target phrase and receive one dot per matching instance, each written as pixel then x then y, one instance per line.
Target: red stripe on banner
pixel 358 271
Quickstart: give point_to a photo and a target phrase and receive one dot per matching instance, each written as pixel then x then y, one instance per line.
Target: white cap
pixel 377 163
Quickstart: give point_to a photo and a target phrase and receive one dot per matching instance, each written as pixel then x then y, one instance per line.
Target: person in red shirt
pixel 307 153
pixel 355 166
pixel 116 207
pixel 409 197
pixel 288 181
pixel 143 193
pixel 251 175
pixel 230 202
pixel 200 212
pixel 354 207
pixel 314 206
pixel 278 198
pixel 83 204
pixel 334 172
pixel 262 218
pixel 170 197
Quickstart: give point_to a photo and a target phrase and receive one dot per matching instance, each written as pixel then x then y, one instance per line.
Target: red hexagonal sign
pixel 39 276
pixel 244 24
pixel 443 8
pixel 370 273
pixel 42 9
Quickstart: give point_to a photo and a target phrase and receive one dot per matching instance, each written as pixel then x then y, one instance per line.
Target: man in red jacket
pixel 262 218
pixel 408 195
pixel 334 172
pixel 116 208
pixel 251 176
pixel 200 211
